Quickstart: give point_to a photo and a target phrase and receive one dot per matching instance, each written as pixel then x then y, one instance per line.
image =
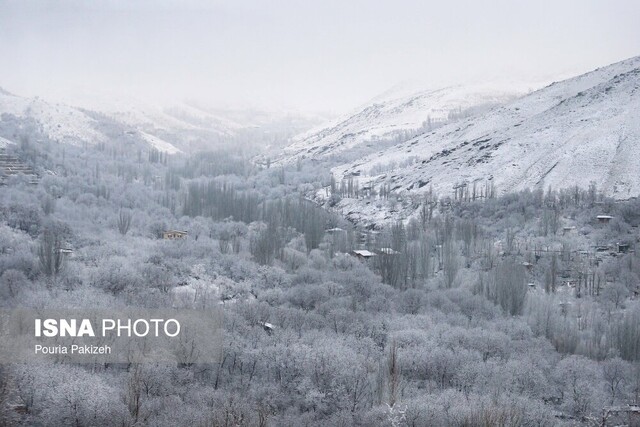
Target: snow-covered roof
pixel 364 253
pixel 334 230
pixel 388 251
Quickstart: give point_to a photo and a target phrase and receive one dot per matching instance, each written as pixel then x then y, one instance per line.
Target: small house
pixel 268 327
pixel 173 234
pixel 623 248
pixel 335 230
pixel 362 254
pixel 604 219
pixel 387 251
pixel 628 415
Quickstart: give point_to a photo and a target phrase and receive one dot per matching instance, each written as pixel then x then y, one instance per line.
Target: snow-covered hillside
pixel 397 114
pixel 76 126
pixel 190 116
pixel 581 130
pixel 159 144
pixel 5 142
pixel 150 116
pixel 183 127
pixel 58 121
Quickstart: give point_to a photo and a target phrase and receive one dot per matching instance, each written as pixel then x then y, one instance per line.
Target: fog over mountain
pixel 353 214
pixel 576 132
pixel 307 56
pixel 397 115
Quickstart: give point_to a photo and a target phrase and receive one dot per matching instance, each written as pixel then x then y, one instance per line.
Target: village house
pixel 173 234
pixel 268 327
pixel 13 166
pixel 628 415
pixel 604 219
pixel 623 247
pixel 362 254
pixel 387 251
pixel 336 230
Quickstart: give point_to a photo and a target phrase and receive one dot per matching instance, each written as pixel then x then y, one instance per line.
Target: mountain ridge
pixel 576 132
pixel 397 115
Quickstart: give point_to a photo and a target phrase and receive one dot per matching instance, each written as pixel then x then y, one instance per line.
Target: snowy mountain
pixel 182 127
pixel 574 132
pixel 75 126
pixel 192 126
pixel 59 122
pixel 189 115
pixel 148 115
pixel 397 115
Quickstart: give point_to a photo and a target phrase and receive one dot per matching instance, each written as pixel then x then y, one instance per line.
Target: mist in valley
pixel 404 219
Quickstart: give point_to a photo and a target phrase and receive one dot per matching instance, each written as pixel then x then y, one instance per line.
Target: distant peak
pixel 5 92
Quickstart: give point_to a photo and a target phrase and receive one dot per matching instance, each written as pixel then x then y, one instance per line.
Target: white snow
pixel 159 144
pixel 59 122
pixel 140 114
pixel 570 133
pixel 363 253
pixel 396 111
pixel 172 116
pixel 581 130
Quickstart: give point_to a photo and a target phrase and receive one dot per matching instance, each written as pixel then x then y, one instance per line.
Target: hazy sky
pixel 299 54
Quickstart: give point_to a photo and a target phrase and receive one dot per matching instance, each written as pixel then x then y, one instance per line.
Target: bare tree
pixel 615 372
pixel 223 243
pixel 507 287
pixel 393 373
pixel 450 263
pixel 124 221
pixel 50 254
